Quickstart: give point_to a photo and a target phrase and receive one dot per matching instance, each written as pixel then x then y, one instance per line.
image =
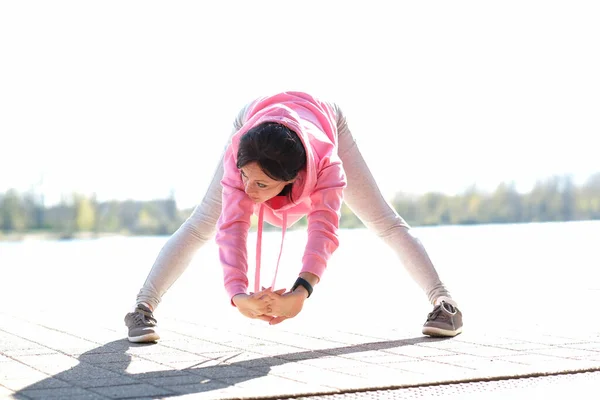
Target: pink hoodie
pixel 317 191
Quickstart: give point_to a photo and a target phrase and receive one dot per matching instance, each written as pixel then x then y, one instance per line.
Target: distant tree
pixel 588 202
pixel 504 204
pixel 568 199
pixel 85 214
pixel 109 219
pixel 348 219
pixel 556 198
pixel 147 224
pixel 406 205
pixel 171 206
pixel 434 209
pixel 66 213
pixel 14 214
pixel 470 207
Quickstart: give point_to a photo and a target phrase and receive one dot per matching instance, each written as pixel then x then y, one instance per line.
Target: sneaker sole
pixel 439 332
pixel 150 337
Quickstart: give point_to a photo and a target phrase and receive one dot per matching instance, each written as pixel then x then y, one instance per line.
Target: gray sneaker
pixel 142 325
pixel 444 320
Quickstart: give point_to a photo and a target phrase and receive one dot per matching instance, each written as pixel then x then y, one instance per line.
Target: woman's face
pixel 257 185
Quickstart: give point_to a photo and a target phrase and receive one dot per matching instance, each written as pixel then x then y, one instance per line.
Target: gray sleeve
pixel 339 115
pixel 240 119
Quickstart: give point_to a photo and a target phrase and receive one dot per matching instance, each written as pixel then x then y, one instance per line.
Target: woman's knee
pixel 389 225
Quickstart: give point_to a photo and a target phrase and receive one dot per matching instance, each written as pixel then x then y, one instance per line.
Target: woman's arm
pixel 323 219
pixel 232 228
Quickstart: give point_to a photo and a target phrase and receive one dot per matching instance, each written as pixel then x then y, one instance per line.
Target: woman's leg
pixel 177 253
pixel 363 197
pixel 173 259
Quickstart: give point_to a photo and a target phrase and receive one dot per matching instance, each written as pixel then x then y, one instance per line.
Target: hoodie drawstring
pixel 259 247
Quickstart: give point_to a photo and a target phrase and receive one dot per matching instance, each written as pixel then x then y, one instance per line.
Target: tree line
pixel 553 199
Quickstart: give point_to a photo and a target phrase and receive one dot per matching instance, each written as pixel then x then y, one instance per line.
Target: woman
pixel 291 155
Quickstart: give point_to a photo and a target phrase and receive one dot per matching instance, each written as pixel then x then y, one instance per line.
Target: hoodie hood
pixel 311 120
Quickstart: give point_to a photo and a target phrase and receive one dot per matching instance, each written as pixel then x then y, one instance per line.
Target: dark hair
pixel 277 149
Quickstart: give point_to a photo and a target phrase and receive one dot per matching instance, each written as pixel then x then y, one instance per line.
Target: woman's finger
pixel 266 298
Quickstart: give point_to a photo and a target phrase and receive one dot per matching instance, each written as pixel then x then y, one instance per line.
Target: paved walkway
pixel 46 357
pixel 62 336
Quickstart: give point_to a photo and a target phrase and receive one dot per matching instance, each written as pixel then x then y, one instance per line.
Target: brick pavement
pixel 44 356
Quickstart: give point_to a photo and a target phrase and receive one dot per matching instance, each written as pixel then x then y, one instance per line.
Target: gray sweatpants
pixel 361 195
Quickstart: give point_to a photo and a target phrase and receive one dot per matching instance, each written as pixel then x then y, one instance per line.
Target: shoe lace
pixel 438 309
pixel 434 314
pixel 142 317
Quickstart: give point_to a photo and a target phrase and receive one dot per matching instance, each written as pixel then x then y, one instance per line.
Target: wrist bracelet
pixel 305 284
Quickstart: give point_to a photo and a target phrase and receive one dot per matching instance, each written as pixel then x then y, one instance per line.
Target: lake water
pixel 534 270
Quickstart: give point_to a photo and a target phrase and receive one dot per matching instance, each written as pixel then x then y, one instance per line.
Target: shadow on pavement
pixel 103 372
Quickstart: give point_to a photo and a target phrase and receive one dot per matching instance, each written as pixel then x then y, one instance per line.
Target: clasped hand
pixel 268 305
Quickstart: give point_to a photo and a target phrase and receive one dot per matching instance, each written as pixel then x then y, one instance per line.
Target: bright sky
pixel 130 99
